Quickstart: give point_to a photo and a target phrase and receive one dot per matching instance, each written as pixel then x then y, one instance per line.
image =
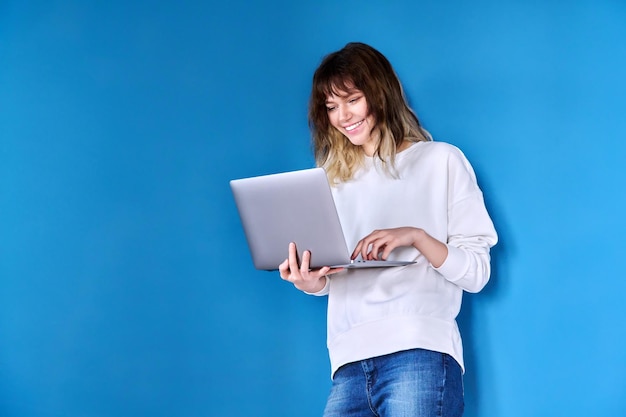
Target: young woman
pixel 394 345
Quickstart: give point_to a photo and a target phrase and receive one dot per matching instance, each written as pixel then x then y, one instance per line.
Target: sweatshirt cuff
pixel 455 265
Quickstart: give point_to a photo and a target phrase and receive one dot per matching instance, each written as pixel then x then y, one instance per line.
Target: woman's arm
pixel 380 243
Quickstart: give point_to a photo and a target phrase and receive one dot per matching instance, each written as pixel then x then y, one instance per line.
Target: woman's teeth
pixel 354 126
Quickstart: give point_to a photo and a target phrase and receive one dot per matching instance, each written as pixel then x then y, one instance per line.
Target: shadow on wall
pixel 474 316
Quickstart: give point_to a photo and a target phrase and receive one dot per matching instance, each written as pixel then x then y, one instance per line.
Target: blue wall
pixel 126 288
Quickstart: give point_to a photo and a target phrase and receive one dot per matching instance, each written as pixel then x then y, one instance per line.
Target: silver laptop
pixel 295 207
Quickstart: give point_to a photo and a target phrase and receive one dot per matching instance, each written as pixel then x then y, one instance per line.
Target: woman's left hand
pixel 380 243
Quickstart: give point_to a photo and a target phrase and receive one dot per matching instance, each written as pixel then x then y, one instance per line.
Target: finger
pixel 333 271
pixel 377 246
pixel 380 253
pixel 327 270
pixel 293 257
pixel 365 244
pixel 322 271
pixel 366 250
pixel 387 251
pixel 356 250
pixel 306 259
pixel 370 248
pixel 283 268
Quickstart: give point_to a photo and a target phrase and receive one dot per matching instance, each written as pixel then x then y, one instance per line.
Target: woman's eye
pixel 331 108
pixel 353 100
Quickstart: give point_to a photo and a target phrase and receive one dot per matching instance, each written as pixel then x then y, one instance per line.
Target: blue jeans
pixel 412 383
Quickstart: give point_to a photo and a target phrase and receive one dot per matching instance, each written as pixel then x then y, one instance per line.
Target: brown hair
pixel 361 67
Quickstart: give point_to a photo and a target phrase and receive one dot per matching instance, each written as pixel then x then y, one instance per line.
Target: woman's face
pixel 348 112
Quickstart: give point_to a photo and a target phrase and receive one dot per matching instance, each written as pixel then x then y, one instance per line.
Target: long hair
pixel 361 67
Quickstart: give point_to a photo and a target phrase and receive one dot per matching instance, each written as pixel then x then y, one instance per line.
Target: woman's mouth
pixel 354 126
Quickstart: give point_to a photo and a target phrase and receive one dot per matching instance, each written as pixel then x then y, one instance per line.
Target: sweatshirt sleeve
pixel 471 233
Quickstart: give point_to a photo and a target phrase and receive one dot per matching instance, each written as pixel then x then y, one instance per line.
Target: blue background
pixel 126 287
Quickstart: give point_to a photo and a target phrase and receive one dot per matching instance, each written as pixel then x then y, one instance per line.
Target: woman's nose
pixel 344 113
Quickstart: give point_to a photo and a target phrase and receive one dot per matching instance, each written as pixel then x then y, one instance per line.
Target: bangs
pixel 337 84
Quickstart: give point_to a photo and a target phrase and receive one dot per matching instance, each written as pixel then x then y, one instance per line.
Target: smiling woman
pixel 394 345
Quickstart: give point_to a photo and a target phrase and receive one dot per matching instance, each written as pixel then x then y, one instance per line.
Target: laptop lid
pixel 298 207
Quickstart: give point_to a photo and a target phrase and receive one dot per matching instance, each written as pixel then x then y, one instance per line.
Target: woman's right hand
pixel 299 273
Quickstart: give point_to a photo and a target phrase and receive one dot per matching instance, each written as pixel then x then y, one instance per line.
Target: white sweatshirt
pixel 373 312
